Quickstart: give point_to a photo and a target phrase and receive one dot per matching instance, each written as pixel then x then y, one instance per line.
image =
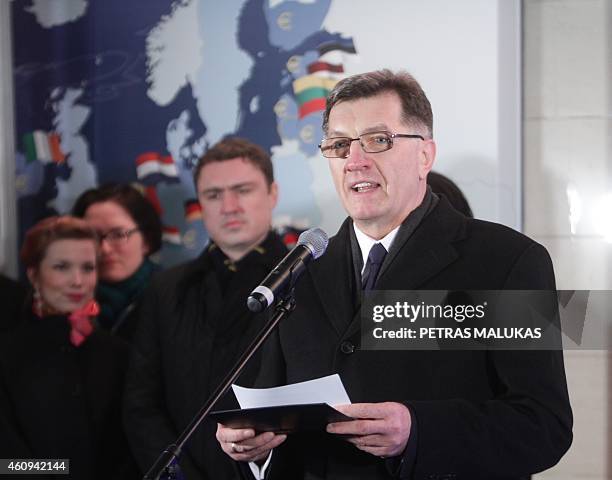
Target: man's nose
pixel 230 202
pixel 357 159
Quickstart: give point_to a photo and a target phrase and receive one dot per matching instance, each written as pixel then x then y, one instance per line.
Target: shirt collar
pixel 366 242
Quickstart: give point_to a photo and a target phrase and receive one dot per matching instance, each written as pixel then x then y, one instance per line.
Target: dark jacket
pixel 61 401
pixel 194 324
pixel 12 298
pixel 479 414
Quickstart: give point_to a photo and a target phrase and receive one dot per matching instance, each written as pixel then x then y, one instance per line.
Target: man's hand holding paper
pixel 381 429
pixel 247 445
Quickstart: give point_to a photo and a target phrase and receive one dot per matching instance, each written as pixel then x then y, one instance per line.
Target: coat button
pixel 347 347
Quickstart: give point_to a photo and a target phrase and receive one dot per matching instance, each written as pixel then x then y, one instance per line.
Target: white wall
pixel 466 56
pixel 567 175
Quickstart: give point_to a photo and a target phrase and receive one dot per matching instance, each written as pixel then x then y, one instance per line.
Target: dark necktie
pixel 375 260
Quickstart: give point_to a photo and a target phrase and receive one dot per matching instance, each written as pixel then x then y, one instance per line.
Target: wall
pixel 567 207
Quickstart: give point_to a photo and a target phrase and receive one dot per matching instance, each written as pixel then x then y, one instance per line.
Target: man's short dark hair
pixel 235 147
pixel 416 109
pixel 133 202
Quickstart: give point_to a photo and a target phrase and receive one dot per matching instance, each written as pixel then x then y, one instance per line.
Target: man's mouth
pixel 364 186
pixel 233 223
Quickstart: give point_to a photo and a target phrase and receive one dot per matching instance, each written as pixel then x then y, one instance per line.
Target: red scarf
pixel 81 323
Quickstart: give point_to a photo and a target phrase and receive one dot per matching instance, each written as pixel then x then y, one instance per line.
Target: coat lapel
pixel 427 252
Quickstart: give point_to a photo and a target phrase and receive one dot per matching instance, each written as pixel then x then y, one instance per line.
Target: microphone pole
pixel 162 465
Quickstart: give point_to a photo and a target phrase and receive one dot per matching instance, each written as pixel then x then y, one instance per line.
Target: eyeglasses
pixel 117 236
pixel 374 142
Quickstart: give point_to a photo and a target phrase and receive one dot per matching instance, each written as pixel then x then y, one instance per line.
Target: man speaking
pixel 417 414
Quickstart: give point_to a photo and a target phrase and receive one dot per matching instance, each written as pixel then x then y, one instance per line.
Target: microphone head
pixel 315 240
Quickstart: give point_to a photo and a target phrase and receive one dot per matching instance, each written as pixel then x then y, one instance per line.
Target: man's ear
pixel 427 158
pixel 274 193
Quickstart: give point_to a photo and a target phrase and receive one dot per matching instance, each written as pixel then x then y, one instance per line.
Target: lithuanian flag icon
pixel 311 91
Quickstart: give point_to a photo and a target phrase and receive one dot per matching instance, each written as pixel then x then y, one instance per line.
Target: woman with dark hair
pixel 130 231
pixel 60 377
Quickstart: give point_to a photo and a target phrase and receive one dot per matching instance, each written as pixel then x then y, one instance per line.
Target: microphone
pixel 311 244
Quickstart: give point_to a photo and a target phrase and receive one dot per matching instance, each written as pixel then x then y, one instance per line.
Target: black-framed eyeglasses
pixel 116 236
pixel 373 142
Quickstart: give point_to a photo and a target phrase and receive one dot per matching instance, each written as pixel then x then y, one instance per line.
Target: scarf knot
pixel 81 325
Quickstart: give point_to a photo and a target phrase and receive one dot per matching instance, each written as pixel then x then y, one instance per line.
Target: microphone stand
pixel 166 464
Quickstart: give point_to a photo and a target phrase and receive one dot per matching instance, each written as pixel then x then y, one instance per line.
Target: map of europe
pixel 135 92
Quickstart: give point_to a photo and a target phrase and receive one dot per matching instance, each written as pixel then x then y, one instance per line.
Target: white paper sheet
pixel 328 390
